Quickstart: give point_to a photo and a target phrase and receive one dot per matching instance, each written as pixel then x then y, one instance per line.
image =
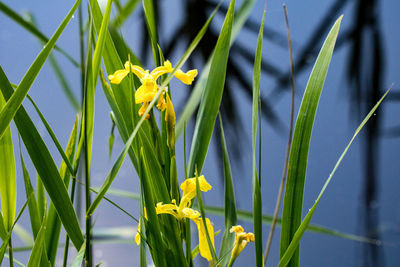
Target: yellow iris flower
pixel 241 240
pixel 183 211
pixel 146 92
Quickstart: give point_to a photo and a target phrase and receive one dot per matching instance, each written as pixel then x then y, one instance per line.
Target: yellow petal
pixel 236 229
pixel 117 77
pixel 186 78
pixel 137 236
pixel 203 243
pixel 161 103
pixel 157 72
pixel 142 110
pixel 190 214
pixel 167 209
pixel 137 70
pixel 146 92
pixel 188 187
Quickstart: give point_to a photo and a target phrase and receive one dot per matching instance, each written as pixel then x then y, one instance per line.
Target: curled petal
pixel 137 70
pixel 237 229
pixel 188 187
pixel 205 251
pixel 186 78
pixel 142 110
pixel 157 72
pixel 117 77
pixel 167 209
pixel 161 103
pixel 190 214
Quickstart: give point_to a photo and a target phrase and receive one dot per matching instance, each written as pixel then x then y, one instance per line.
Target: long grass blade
pixel 257 200
pixel 3 232
pixel 293 199
pixel 79 258
pixel 33 29
pixel 52 135
pixel 8 111
pixel 59 73
pixel 36 254
pixel 32 204
pixel 8 237
pixel 8 177
pixel 53 221
pixel 152 225
pixel 212 96
pixel 230 202
pixel 124 13
pixel 45 167
pixel 303 226
pixel 194 99
pixel 266 219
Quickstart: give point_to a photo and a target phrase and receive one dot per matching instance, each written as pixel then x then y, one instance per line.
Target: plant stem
pixel 10 253
pixel 279 200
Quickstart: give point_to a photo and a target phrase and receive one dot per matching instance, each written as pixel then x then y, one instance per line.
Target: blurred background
pixel 363 197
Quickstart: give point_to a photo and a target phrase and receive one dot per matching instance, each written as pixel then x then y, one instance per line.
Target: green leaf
pixel 3 232
pixel 152 225
pixel 124 13
pixel 266 219
pixel 36 254
pixel 52 135
pixel 53 221
pixel 32 205
pixel 33 29
pixel 230 203
pixel 8 178
pixel 151 23
pixel 45 166
pixel 79 258
pixel 212 96
pixel 6 240
pixel 8 111
pixel 257 200
pixel 194 99
pixel 59 73
pixel 293 246
pixel 293 199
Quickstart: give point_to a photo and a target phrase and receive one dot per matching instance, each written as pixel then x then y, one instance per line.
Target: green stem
pixel 10 253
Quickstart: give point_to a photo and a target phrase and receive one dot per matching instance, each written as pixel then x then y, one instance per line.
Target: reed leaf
pixel 194 99
pixel 8 177
pixel 53 221
pixel 257 200
pixel 7 238
pixel 230 202
pixel 212 96
pixel 38 246
pixel 293 199
pixel 306 221
pixel 33 30
pixel 32 204
pixel 8 111
pixel 45 166
pixel 79 258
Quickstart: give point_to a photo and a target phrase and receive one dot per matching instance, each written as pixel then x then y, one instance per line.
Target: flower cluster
pixel 241 240
pixel 147 91
pixel 183 211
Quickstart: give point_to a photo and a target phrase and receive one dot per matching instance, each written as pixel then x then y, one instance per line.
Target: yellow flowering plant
pixel 167 208
pixel 147 91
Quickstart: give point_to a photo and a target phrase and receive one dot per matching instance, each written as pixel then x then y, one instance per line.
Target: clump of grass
pixel 149 138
